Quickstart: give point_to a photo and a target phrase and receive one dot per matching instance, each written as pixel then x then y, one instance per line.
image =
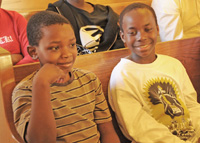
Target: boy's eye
pixel 148 29
pixel 55 48
pixel 134 32
pixel 73 45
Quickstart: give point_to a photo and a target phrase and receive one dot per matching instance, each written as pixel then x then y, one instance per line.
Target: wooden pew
pixel 117 7
pixel 7 83
pixel 28 8
pixel 102 63
pixel 37 5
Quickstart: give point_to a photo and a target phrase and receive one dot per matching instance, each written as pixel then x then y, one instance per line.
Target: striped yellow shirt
pixel 78 107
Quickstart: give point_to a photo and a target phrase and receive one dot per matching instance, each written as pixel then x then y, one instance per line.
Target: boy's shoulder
pixel 168 58
pixel 161 59
pixel 26 82
pixel 168 61
pixel 82 72
pixel 11 14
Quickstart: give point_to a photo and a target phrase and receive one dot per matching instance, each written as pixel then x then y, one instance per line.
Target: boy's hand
pixel 16 58
pixel 108 134
pixel 50 73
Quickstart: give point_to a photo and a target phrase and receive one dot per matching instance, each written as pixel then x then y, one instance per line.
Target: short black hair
pixel 135 6
pixel 40 20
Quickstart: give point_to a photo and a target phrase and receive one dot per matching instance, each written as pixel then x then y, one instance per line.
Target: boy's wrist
pixel 40 84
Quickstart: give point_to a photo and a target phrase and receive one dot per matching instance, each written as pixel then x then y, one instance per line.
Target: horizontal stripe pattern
pixel 78 107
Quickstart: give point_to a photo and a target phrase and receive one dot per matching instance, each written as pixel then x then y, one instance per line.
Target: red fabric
pixel 13 34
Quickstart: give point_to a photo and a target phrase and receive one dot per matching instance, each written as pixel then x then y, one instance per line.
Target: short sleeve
pixel 101 112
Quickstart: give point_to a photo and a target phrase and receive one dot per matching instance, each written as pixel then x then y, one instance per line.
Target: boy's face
pixel 58 46
pixel 140 34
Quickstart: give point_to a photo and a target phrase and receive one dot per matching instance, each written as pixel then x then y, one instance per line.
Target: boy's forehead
pixel 57 31
pixel 138 14
pixel 55 27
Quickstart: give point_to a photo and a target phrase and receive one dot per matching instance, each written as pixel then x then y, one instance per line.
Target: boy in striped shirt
pixel 59 103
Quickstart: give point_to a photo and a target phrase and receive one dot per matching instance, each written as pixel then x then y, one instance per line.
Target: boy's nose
pixel 141 35
pixel 65 52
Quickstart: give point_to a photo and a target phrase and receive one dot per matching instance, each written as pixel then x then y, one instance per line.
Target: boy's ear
pixel 32 52
pixel 118 23
pixel 157 30
pixel 122 36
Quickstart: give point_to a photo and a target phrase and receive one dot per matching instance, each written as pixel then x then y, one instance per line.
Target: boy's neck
pixel 76 3
pixel 81 4
pixel 138 60
pixel 68 79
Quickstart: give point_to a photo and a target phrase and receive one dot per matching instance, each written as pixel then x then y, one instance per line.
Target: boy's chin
pixel 66 71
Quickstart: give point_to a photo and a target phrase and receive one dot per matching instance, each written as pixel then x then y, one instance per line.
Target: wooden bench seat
pixel 102 63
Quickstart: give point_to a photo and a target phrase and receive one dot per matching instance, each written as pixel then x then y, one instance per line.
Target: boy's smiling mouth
pixel 143 46
pixel 65 65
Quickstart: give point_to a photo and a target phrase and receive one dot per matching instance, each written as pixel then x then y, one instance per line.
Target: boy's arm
pixel 107 133
pixel 190 97
pixel 20 29
pixel 16 58
pixel 42 125
pixel 102 116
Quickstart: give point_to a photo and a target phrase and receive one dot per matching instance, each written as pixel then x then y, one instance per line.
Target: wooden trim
pixel 7 86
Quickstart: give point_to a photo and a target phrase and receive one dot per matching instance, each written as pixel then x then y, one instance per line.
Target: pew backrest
pixel 185 50
pixel 29 7
pixel 37 5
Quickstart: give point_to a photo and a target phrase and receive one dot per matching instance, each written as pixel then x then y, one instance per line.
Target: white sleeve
pixel 133 119
pixel 169 20
pixel 191 101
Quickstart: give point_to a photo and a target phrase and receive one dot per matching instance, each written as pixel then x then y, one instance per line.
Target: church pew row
pixel 28 8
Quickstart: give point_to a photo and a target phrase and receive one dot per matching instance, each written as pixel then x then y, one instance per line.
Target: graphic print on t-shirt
pixel 6 39
pixel 162 95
